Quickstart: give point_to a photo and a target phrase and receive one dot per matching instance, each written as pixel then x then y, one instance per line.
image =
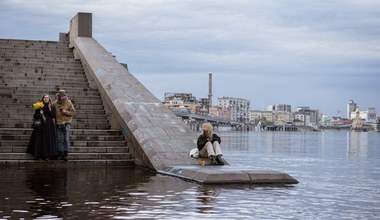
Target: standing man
pixel 64 114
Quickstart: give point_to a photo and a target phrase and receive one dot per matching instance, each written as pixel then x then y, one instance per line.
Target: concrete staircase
pixel 28 69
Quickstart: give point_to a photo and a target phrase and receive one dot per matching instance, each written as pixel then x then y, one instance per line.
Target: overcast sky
pixel 310 53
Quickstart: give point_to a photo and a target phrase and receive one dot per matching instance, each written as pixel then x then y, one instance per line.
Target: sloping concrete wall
pixel 157 138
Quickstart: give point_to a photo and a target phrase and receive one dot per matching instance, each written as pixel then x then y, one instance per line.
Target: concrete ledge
pixel 227 175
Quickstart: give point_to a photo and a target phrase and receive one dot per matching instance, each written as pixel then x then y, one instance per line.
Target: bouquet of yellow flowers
pixel 40 105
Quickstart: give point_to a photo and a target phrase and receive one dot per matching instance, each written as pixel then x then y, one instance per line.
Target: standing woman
pixel 42 143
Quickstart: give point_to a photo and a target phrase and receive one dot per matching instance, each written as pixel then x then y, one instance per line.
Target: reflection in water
pixel 207 198
pixel 356 143
pixel 235 140
pixel 50 189
pixel 333 184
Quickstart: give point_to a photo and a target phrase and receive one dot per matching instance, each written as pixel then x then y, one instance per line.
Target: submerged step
pixel 227 175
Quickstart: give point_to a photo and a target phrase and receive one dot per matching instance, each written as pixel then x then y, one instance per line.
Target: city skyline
pixel 316 54
pixel 341 114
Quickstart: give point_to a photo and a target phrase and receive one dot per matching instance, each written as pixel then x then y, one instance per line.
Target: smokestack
pixel 210 90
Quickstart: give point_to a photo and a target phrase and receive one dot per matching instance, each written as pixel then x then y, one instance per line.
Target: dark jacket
pixel 202 140
pixel 42 143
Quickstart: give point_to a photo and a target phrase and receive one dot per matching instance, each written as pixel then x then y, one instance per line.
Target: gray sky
pixel 319 54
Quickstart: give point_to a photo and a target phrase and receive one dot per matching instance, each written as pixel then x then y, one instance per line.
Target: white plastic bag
pixel 194 153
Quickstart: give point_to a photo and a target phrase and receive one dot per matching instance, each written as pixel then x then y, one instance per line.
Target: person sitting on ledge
pixel 208 145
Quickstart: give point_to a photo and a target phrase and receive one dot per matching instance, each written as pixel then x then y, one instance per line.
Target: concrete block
pixel 261 177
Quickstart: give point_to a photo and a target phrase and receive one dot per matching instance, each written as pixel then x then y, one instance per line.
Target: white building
pixel 351 107
pixel 239 108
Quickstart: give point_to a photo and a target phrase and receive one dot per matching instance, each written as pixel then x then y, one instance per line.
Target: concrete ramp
pixel 157 138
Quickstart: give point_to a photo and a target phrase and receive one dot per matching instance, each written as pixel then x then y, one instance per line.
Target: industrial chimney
pixel 210 90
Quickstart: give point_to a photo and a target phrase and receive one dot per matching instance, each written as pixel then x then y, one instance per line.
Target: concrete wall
pixel 156 136
pixel 80 26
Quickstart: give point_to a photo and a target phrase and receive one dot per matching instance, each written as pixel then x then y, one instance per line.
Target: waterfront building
pixel 339 121
pixel 372 114
pixel 239 108
pixel 179 101
pixel 204 105
pixel 268 115
pixel 254 116
pixel 285 116
pixel 351 107
pixel 367 116
pixel 217 111
pixel 271 108
pixel 284 108
pixel 325 121
pixel 307 116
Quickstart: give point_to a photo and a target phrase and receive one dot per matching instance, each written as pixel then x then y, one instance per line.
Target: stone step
pixel 55 51
pixel 18 131
pixel 41 68
pixel 73 149
pixel 38 46
pixel 78 97
pixel 29 69
pixel 70 163
pixel 22 107
pixel 80 116
pixel 76 137
pixel 44 83
pixel 74 100
pixel 75 126
pixel 14 59
pixel 71 156
pixel 74 143
pixel 35 51
pixel 101 122
pixel 45 78
pixel 52 89
pixel 34 47
pixel 11 57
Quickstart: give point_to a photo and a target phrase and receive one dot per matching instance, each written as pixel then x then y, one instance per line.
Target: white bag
pixel 194 153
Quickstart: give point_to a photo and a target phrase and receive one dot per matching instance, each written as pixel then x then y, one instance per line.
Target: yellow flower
pixel 38 105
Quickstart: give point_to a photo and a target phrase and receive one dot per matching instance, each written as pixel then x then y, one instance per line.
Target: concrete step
pixel 76 137
pixel 51 89
pixel 70 163
pixel 98 132
pixel 46 78
pixel 14 58
pixel 29 69
pixel 27 107
pixel 42 68
pixel 73 100
pixel 71 156
pixel 73 149
pixel 74 143
pixel 101 119
pixel 25 98
pixel 80 116
pixel 43 83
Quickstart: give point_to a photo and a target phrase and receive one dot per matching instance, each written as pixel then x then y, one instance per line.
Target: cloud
pixel 267 51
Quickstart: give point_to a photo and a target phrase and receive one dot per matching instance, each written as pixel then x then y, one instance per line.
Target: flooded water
pixel 339 175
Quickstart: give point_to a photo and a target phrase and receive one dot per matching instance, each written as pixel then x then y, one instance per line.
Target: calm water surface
pixel 339 175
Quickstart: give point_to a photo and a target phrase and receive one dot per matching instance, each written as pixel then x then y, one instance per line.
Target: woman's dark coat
pixel 202 140
pixel 42 143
